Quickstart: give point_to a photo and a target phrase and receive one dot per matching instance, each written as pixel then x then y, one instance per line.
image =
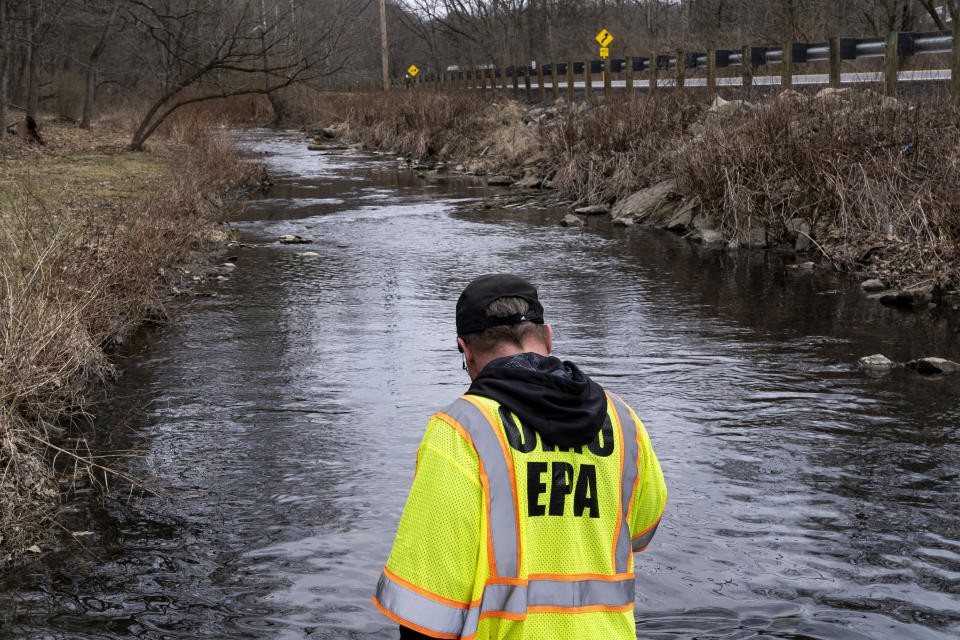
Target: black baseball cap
pixel 472 305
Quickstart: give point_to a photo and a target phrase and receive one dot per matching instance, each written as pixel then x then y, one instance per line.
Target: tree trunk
pixel 92 68
pixel 4 68
pixel 33 81
pixel 33 61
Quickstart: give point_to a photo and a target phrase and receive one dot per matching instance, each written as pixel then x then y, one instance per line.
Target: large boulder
pixel 724 108
pixel 292 238
pixel 709 237
pixel 799 229
pixel 909 298
pixel 934 366
pixel 877 362
pixel 571 220
pixel 593 210
pixel 682 218
pixel 654 205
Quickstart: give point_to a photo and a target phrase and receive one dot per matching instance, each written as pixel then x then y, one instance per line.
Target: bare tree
pixel 212 49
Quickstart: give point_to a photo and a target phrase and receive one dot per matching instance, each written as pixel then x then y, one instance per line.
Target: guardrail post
pixel 555 81
pixel 606 77
pixel 892 57
pixel 526 80
pixel 571 90
pixel 681 68
pixel 835 62
pixel 747 72
pixel 786 66
pixel 712 72
pixel 628 75
pixel 504 82
pixel 516 81
pixel 587 80
pixel 955 73
pixel 541 90
pixel 654 72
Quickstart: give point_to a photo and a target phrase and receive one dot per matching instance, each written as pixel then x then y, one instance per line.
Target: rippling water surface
pixel 807 500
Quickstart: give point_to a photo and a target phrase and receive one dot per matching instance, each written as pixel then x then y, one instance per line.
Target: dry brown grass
pixel 486 131
pixel 88 249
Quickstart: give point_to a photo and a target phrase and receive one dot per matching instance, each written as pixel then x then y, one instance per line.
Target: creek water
pixel 807 499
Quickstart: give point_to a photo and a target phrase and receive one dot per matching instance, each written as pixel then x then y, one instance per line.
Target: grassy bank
pixel 91 238
pixel 874 182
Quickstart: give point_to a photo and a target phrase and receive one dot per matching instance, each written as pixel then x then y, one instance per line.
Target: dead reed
pixel 76 271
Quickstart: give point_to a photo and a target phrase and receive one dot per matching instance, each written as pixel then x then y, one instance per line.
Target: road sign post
pixel 786 66
pixel 681 68
pixel 835 62
pixel 892 57
pixel 654 72
pixel 606 77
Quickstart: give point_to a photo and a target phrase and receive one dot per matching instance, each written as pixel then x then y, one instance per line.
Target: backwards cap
pixel 472 305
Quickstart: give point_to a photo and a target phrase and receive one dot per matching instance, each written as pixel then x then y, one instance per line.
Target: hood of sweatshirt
pixel 552 397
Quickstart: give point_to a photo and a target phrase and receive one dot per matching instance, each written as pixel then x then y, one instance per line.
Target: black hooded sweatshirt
pixel 554 398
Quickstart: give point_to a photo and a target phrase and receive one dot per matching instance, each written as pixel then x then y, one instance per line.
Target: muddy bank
pixel 96 242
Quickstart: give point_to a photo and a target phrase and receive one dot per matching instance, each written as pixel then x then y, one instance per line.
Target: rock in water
pixel 497 181
pixel 317 147
pixel 571 220
pixel 917 297
pixel 872 285
pixel 593 210
pixel 308 254
pixel 876 362
pixel 934 365
pixel 659 201
pixel 710 237
pixel 293 239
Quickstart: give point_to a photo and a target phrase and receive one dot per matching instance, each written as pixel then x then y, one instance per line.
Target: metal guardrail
pixel 905 44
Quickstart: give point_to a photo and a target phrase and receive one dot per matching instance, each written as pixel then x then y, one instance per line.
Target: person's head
pixel 499 315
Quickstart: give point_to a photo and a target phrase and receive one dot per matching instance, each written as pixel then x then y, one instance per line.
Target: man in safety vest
pixel 530 495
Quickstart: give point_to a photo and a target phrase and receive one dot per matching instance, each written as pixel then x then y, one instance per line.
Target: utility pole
pixel 383 45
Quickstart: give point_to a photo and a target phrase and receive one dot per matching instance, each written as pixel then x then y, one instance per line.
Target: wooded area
pixel 72 57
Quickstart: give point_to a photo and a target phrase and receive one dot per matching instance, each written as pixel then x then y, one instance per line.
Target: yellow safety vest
pixel 507 536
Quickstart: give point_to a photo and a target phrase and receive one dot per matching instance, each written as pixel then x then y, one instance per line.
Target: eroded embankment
pixel 92 241
pixel 858 181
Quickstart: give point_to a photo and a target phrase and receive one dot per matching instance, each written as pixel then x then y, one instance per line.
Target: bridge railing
pixel 662 69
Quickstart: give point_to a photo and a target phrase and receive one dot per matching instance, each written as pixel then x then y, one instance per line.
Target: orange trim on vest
pixel 484 482
pixel 588 609
pixel 513 475
pixel 520 582
pixel 436 597
pixel 578 577
pixel 408 624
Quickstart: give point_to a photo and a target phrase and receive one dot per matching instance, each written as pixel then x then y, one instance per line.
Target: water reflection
pixel 806 499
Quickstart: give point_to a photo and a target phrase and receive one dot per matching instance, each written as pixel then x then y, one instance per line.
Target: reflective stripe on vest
pixel 628 478
pixel 503 515
pixel 517 599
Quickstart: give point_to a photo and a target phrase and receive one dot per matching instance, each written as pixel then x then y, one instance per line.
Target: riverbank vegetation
pixel 91 241
pixel 871 183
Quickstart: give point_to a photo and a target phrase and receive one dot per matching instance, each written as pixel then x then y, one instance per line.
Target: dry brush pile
pixel 76 271
pixel 876 179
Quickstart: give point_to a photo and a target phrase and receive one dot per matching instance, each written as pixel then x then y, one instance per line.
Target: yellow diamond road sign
pixel 413 70
pixel 604 38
